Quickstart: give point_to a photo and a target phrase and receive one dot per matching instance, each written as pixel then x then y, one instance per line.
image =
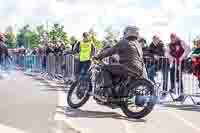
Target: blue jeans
pixel 151 70
pixel 84 66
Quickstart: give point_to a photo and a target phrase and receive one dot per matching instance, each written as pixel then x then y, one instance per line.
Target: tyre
pixel 149 105
pixel 84 98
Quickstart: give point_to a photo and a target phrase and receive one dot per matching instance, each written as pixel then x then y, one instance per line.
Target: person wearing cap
pixel 85 49
pixel 177 50
pixel 130 55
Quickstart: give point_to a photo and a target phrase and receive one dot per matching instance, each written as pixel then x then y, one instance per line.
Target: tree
pixel 21 36
pixel 9 29
pixel 110 37
pixel 73 40
pixel 43 35
pixel 109 33
pixel 21 40
pixel 10 38
pixel 40 30
pixel 33 39
pixel 57 34
pixel 28 38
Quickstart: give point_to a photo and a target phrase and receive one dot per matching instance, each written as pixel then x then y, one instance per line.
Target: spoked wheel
pixel 78 94
pixel 141 99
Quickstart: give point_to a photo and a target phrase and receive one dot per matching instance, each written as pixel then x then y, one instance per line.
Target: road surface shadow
pixel 38 78
pixel 44 81
pixel 52 86
pixel 64 90
pixel 195 108
pixel 41 80
pixel 58 81
pixel 69 112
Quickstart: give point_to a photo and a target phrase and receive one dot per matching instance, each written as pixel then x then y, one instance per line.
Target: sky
pixel 159 17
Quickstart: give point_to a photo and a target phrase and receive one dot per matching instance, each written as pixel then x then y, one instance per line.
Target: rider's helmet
pixel 131 31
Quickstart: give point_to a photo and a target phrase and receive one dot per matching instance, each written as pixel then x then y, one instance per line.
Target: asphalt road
pixel 165 118
pixel 29 105
pixel 168 118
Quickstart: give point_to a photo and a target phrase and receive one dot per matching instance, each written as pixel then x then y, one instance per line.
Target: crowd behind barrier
pixel 63 66
pixel 67 67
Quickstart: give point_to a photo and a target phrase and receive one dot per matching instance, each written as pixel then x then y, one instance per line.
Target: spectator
pixel 85 49
pixel 50 50
pixel 196 60
pixel 156 53
pixel 177 51
pixel 68 49
pixel 143 42
pixel 62 47
pixel 58 50
pixel 74 41
pixel 34 52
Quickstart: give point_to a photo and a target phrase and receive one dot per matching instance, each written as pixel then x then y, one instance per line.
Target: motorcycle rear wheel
pixel 147 109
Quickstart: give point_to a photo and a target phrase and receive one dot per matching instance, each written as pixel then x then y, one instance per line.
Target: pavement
pixel 31 105
pixel 28 105
pixel 167 118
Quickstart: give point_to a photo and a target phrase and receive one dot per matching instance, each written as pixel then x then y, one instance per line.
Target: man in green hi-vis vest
pixel 85 49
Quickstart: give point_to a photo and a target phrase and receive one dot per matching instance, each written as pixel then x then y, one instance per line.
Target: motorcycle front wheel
pixel 142 96
pixel 81 94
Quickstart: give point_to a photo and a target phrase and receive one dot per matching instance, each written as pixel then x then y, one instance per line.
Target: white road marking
pixel 128 127
pixel 69 121
pixel 6 129
pixel 185 121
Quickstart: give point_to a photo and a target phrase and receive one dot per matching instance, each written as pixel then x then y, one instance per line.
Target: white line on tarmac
pixel 128 127
pixel 7 129
pixel 186 122
pixel 62 102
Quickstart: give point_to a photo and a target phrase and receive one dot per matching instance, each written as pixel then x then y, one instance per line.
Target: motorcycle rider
pixel 130 55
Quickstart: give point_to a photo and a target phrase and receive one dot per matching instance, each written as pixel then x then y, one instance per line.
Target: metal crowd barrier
pixel 66 68
pixel 190 82
pixel 6 65
pixel 52 67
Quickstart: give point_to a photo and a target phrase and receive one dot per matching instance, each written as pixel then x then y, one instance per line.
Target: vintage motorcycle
pixel 127 93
